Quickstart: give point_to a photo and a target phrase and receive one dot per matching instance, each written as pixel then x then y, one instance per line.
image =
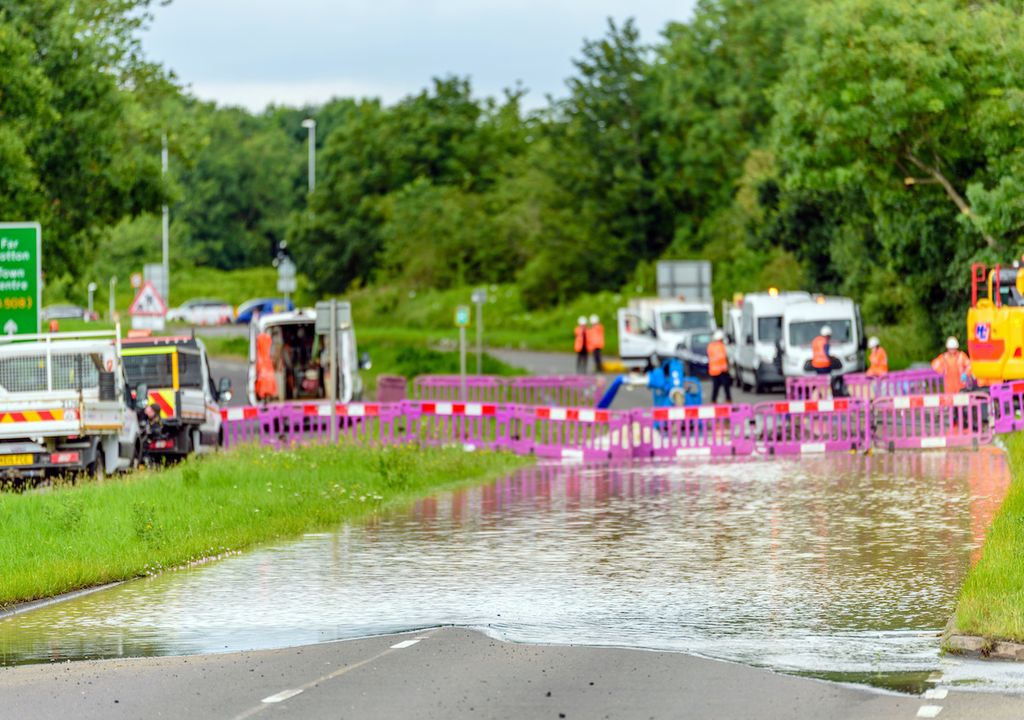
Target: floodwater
pixel 841 566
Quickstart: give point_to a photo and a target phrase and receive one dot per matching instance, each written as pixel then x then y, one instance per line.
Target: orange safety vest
pixel 952 366
pixel 879 362
pixel 718 361
pixel 581 339
pixel 595 337
pixel 819 358
pixel 266 381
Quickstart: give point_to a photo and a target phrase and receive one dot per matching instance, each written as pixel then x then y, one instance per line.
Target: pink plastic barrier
pixel 240 425
pixel 363 423
pixel 552 390
pixel 813 426
pixel 710 430
pixel 481 425
pixel 479 388
pixel 897 383
pixel 581 434
pixel 812 387
pixel 1007 406
pixel 931 421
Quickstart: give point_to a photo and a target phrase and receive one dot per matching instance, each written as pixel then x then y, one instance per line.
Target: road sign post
pixel 479 298
pixel 21 272
pixel 286 277
pixel 462 320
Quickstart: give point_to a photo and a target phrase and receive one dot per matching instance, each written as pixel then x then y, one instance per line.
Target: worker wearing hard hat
pixel 580 345
pixel 820 360
pixel 953 365
pixel 595 341
pixel 878 359
pixel 718 367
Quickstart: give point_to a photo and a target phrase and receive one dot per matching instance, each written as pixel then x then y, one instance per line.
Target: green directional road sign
pixel 462 316
pixel 21 259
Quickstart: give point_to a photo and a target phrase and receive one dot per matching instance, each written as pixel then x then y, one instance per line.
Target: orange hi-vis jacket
pixel 581 339
pixel 266 382
pixel 595 337
pixel 819 358
pixel 879 362
pixel 718 361
pixel 953 366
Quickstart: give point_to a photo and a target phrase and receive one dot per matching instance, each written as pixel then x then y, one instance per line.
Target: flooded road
pixel 841 566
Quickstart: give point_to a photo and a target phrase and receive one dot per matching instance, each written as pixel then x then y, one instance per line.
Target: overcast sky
pixel 255 52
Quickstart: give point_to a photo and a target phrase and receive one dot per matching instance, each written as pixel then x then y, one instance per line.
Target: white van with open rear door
pixel 802 322
pixel 654 326
pixel 759 345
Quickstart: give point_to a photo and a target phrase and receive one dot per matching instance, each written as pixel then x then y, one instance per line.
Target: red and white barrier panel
pixel 576 434
pixel 1007 406
pixel 478 425
pixel 813 426
pixel 931 421
pixel 342 410
pixel 708 430
pixel 811 387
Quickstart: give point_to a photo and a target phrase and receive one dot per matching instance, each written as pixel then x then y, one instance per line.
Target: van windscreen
pixel 803 333
pixel 685 320
pixel 769 329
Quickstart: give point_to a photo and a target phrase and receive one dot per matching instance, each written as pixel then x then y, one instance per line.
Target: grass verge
pixel 77 537
pixel 991 602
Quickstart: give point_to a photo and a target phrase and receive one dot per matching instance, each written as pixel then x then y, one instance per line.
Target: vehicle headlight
pixel 851 358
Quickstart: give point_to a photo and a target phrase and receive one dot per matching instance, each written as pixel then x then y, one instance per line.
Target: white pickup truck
pixel 65 406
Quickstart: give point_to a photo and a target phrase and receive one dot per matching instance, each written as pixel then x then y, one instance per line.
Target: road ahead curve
pixel 452 673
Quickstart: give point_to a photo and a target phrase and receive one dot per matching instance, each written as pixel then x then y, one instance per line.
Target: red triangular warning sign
pixel 147 302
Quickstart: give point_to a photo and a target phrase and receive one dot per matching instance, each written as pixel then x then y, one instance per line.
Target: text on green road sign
pixel 462 316
pixel 19 278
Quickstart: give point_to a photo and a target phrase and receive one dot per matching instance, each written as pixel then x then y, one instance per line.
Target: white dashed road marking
pixel 929 711
pixel 404 644
pixel 281 696
pixel 936 694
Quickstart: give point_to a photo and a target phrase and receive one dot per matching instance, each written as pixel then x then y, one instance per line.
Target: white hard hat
pixel 581 320
pixel 594 319
pixel 873 342
pixel 826 330
pixel 952 343
pixel 718 335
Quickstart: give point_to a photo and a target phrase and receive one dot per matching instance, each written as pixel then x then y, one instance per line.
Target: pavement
pixel 452 673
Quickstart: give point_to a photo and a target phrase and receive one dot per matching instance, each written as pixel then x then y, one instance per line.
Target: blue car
pixel 262 306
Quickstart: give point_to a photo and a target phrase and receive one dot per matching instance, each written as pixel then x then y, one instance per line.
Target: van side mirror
pixel 650 331
pixel 141 396
pixel 365 363
pixel 224 389
pixel 750 339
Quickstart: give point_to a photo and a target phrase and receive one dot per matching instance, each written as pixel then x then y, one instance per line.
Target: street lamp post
pixel 166 226
pixel 92 291
pixel 310 124
pixel 113 282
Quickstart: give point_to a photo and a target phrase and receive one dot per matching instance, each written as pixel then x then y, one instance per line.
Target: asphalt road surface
pixel 452 673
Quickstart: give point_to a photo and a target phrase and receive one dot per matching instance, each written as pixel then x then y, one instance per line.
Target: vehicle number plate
pixel 11 460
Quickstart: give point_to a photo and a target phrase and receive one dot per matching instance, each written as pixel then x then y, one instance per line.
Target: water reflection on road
pixel 841 563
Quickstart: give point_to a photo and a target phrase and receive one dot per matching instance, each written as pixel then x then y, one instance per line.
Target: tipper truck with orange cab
pixel 995 324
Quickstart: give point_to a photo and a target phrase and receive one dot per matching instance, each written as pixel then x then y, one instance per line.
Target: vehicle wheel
pixel 98 469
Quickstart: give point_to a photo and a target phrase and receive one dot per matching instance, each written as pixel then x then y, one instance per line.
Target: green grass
pixel 991 602
pixel 76 537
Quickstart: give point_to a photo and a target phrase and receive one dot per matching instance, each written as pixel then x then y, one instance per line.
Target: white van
pixel 759 345
pixel 732 319
pixel 651 327
pixel 299 355
pixel 802 322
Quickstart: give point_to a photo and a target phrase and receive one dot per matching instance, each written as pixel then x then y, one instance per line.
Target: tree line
pixel 872 148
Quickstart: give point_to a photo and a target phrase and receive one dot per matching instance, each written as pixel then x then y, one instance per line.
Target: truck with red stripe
pixel 65 406
pixel 183 403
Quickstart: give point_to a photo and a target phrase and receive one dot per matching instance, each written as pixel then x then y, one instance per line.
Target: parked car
pixel 202 311
pixel 62 312
pixel 262 306
pixel 693 352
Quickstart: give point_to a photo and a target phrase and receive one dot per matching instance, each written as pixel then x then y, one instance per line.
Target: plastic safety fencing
pixel 794 427
pixel 580 434
pixel 1007 406
pixel 448 388
pixel 931 421
pixel 813 387
pixel 895 384
pixel 477 425
pixel 550 390
pixel 364 423
pixel 710 430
